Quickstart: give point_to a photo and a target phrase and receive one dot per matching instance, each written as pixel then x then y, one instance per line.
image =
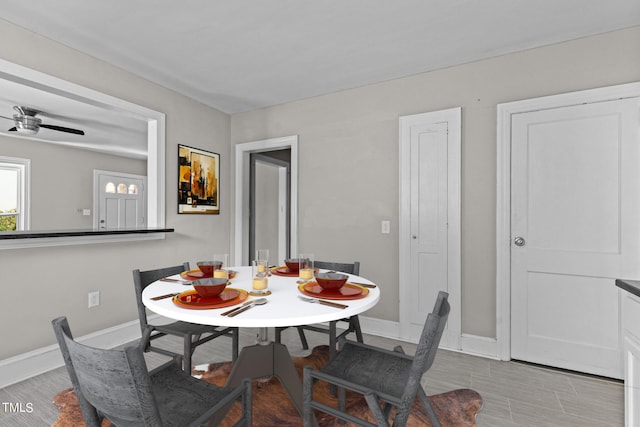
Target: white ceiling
pixel 242 55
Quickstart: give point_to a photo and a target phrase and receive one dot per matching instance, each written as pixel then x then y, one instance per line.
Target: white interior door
pixel 431 216
pixel 574 214
pixel 119 200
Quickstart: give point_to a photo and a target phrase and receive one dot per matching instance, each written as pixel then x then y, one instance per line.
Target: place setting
pixel 210 286
pixel 302 265
pixel 332 285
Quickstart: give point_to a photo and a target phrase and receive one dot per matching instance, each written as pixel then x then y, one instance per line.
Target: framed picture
pixel 198 181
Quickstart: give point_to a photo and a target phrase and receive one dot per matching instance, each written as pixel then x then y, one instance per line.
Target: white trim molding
pixel 27 365
pixel 242 192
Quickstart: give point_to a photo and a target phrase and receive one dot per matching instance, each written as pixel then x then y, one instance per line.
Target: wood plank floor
pixel 514 394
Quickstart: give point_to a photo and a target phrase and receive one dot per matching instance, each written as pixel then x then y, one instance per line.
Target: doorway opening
pixel 266 211
pixel 270 204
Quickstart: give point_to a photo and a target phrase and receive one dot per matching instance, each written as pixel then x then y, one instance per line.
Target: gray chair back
pixel 425 354
pixel 142 279
pixel 114 383
pixel 339 266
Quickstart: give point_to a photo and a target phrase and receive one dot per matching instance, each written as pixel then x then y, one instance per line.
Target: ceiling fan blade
pixel 62 129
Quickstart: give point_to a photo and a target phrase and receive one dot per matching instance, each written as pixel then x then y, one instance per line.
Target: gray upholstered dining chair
pixel 116 385
pixel 192 334
pixel 352 323
pixel 381 375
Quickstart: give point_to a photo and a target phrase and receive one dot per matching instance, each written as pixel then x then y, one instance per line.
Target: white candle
pixel 306 273
pixel 221 274
pixel 259 283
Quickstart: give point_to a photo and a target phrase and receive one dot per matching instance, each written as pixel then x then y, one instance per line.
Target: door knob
pixel 519 241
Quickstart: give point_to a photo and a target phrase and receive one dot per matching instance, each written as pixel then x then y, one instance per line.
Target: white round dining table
pixel 284 307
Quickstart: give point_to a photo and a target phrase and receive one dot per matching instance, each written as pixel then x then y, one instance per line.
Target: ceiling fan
pixel 27 123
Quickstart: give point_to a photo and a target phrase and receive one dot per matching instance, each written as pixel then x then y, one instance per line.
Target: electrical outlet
pixel 86 212
pixel 385 227
pixel 94 299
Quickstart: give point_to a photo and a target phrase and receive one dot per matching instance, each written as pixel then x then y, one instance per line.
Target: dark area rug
pixel 272 407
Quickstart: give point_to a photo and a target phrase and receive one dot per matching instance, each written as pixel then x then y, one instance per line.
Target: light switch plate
pixel 94 299
pixel 385 227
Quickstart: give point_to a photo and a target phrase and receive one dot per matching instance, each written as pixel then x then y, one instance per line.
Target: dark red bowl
pixel 207 267
pixel 331 281
pixel 211 287
pixel 293 264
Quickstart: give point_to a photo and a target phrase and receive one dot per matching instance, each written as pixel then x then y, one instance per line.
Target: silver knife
pixel 226 313
pixel 366 285
pixel 164 296
pixel 183 282
pixel 323 302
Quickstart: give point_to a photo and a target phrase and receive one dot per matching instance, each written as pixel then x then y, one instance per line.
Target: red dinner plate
pixel 284 271
pixel 348 291
pixel 197 274
pixel 191 299
pixel 194 274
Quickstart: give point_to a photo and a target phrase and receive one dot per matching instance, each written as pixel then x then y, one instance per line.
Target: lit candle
pixel 222 274
pixel 259 283
pixel 306 273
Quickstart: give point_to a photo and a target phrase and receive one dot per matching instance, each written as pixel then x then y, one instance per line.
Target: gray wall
pixel 40 284
pixel 348 156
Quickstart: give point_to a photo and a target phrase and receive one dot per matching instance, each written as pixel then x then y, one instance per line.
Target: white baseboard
pixel 36 362
pixel 379 327
pixel 469 344
pixel 27 365
pixel 479 346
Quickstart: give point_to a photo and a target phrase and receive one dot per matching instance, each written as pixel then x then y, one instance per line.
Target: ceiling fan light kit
pixel 27 123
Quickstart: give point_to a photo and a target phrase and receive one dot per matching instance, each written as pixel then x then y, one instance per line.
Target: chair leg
pixel 427 405
pixel 186 362
pixel 247 402
pixel 303 339
pixel 374 406
pixel 354 322
pixel 342 401
pixel 332 339
pixel 145 342
pixel 234 343
pixel 278 335
pixel 307 396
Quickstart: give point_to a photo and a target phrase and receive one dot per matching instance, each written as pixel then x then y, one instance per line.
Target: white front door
pixel 430 211
pixel 119 200
pixel 575 191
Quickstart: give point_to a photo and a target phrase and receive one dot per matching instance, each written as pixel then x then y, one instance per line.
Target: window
pixel 14 194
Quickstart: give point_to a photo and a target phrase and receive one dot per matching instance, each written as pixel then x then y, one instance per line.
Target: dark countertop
pixel 631 286
pixel 67 233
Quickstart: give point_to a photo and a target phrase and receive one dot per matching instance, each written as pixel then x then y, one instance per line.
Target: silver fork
pixel 319 301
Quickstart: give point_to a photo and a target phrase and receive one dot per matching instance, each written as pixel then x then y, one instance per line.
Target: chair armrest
pixel 394 352
pixel 318 375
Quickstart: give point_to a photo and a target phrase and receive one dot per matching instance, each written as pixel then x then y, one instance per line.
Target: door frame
pixel 503 196
pixel 243 191
pixel 453 117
